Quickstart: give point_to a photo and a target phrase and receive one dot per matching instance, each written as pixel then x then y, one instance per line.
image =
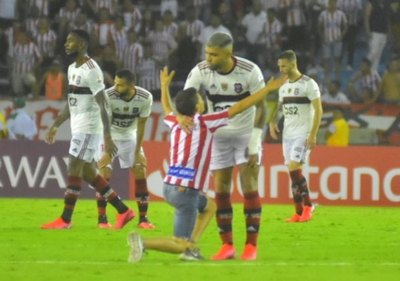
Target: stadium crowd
pixel 350 47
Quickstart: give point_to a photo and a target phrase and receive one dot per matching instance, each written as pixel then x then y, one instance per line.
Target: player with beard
pixel 228 79
pixel 300 102
pixel 130 108
pixel 88 111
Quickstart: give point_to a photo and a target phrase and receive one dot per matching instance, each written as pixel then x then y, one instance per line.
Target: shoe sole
pixel 136 245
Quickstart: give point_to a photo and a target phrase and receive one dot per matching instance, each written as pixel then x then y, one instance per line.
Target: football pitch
pixel 340 243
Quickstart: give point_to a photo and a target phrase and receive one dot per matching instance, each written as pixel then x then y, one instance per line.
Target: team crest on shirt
pixel 78 80
pixel 125 109
pixel 224 86
pixel 238 87
pixel 296 91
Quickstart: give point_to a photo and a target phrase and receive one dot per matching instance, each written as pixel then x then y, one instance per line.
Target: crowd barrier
pixel 356 175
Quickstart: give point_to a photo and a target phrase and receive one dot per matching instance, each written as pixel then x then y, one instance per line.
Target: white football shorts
pixel 228 151
pixel 295 150
pixel 84 146
pixel 125 153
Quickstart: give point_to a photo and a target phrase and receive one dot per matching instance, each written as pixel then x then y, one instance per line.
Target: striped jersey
pixel 332 23
pixel 352 10
pixel 224 90
pixel 24 57
pixel 84 82
pixel 189 156
pixel 124 113
pixel 296 100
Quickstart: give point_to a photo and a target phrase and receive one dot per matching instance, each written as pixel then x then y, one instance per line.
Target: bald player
pixel 226 80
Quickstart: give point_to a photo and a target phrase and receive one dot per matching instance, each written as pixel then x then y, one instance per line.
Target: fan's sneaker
pixel 146 225
pixel 124 218
pixel 294 218
pixel 249 253
pixel 306 214
pixel 191 255
pixel 226 252
pixel 59 223
pixel 137 248
pixel 104 225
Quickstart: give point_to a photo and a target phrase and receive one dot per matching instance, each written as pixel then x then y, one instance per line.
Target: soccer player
pixel 187 177
pixel 299 99
pixel 130 108
pixel 226 80
pixel 87 110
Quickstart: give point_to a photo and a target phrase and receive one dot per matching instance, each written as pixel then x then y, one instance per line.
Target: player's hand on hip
pixel 166 76
pixel 274 130
pixel 51 133
pixel 186 123
pixel 253 160
pixel 105 160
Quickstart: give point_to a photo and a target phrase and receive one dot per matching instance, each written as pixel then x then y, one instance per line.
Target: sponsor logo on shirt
pixel 238 87
pixel 181 172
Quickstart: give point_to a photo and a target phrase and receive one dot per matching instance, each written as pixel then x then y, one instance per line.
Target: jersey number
pixel 122 124
pixel 291 110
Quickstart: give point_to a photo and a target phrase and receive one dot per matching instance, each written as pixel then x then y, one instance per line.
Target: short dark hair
pixel 185 101
pixel 127 75
pixel 82 34
pixel 288 55
pixel 220 40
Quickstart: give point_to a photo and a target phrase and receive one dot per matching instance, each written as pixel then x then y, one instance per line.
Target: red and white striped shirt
pixel 149 74
pixel 31 25
pixel 194 29
pixel 332 24
pixel 171 29
pixel 69 15
pixel 24 57
pixel 352 10
pixel 272 31
pixel 133 20
pixel 162 43
pixel 132 55
pixel 41 5
pixel 110 5
pixel 120 39
pixel 189 156
pixel 46 42
pixel 295 12
pixel 370 81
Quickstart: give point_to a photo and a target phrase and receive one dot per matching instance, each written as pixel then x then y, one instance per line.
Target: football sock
pixel 303 187
pixel 224 216
pixel 252 212
pixel 102 186
pixel 296 177
pixel 101 208
pixel 142 198
pixel 71 195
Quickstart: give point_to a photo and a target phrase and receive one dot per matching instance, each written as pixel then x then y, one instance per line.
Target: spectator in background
pixel 109 64
pixel 391 83
pixel 376 22
pixel 31 20
pixel 67 16
pixel 43 6
pixel 162 43
pixel 332 27
pixel 120 37
pixel 148 76
pixel 353 12
pixel 24 60
pixel 395 25
pixel 369 83
pixel 132 16
pixel 169 26
pixel 253 24
pixel 53 82
pixel 273 36
pixel 20 125
pixel 46 39
pixel 169 5
pixel 96 5
pixel 215 26
pixel 133 53
pixel 334 94
pixel 103 28
pixel 338 133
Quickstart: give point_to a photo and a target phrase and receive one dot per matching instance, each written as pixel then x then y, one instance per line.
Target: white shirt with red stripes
pixel 332 24
pixel 132 56
pixel 24 57
pixel 46 42
pixel 85 82
pixel 352 9
pixel 189 156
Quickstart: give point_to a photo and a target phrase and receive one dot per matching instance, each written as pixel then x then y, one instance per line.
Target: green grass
pixel 340 243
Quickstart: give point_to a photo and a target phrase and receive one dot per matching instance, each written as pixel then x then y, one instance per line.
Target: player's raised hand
pixel 51 133
pixel 166 76
pixel 275 83
pixel 104 160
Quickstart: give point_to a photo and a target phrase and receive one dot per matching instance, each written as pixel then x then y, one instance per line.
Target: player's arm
pixel 256 98
pixel 110 147
pixel 51 133
pixel 165 79
pixel 140 160
pixel 312 138
pixel 273 124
